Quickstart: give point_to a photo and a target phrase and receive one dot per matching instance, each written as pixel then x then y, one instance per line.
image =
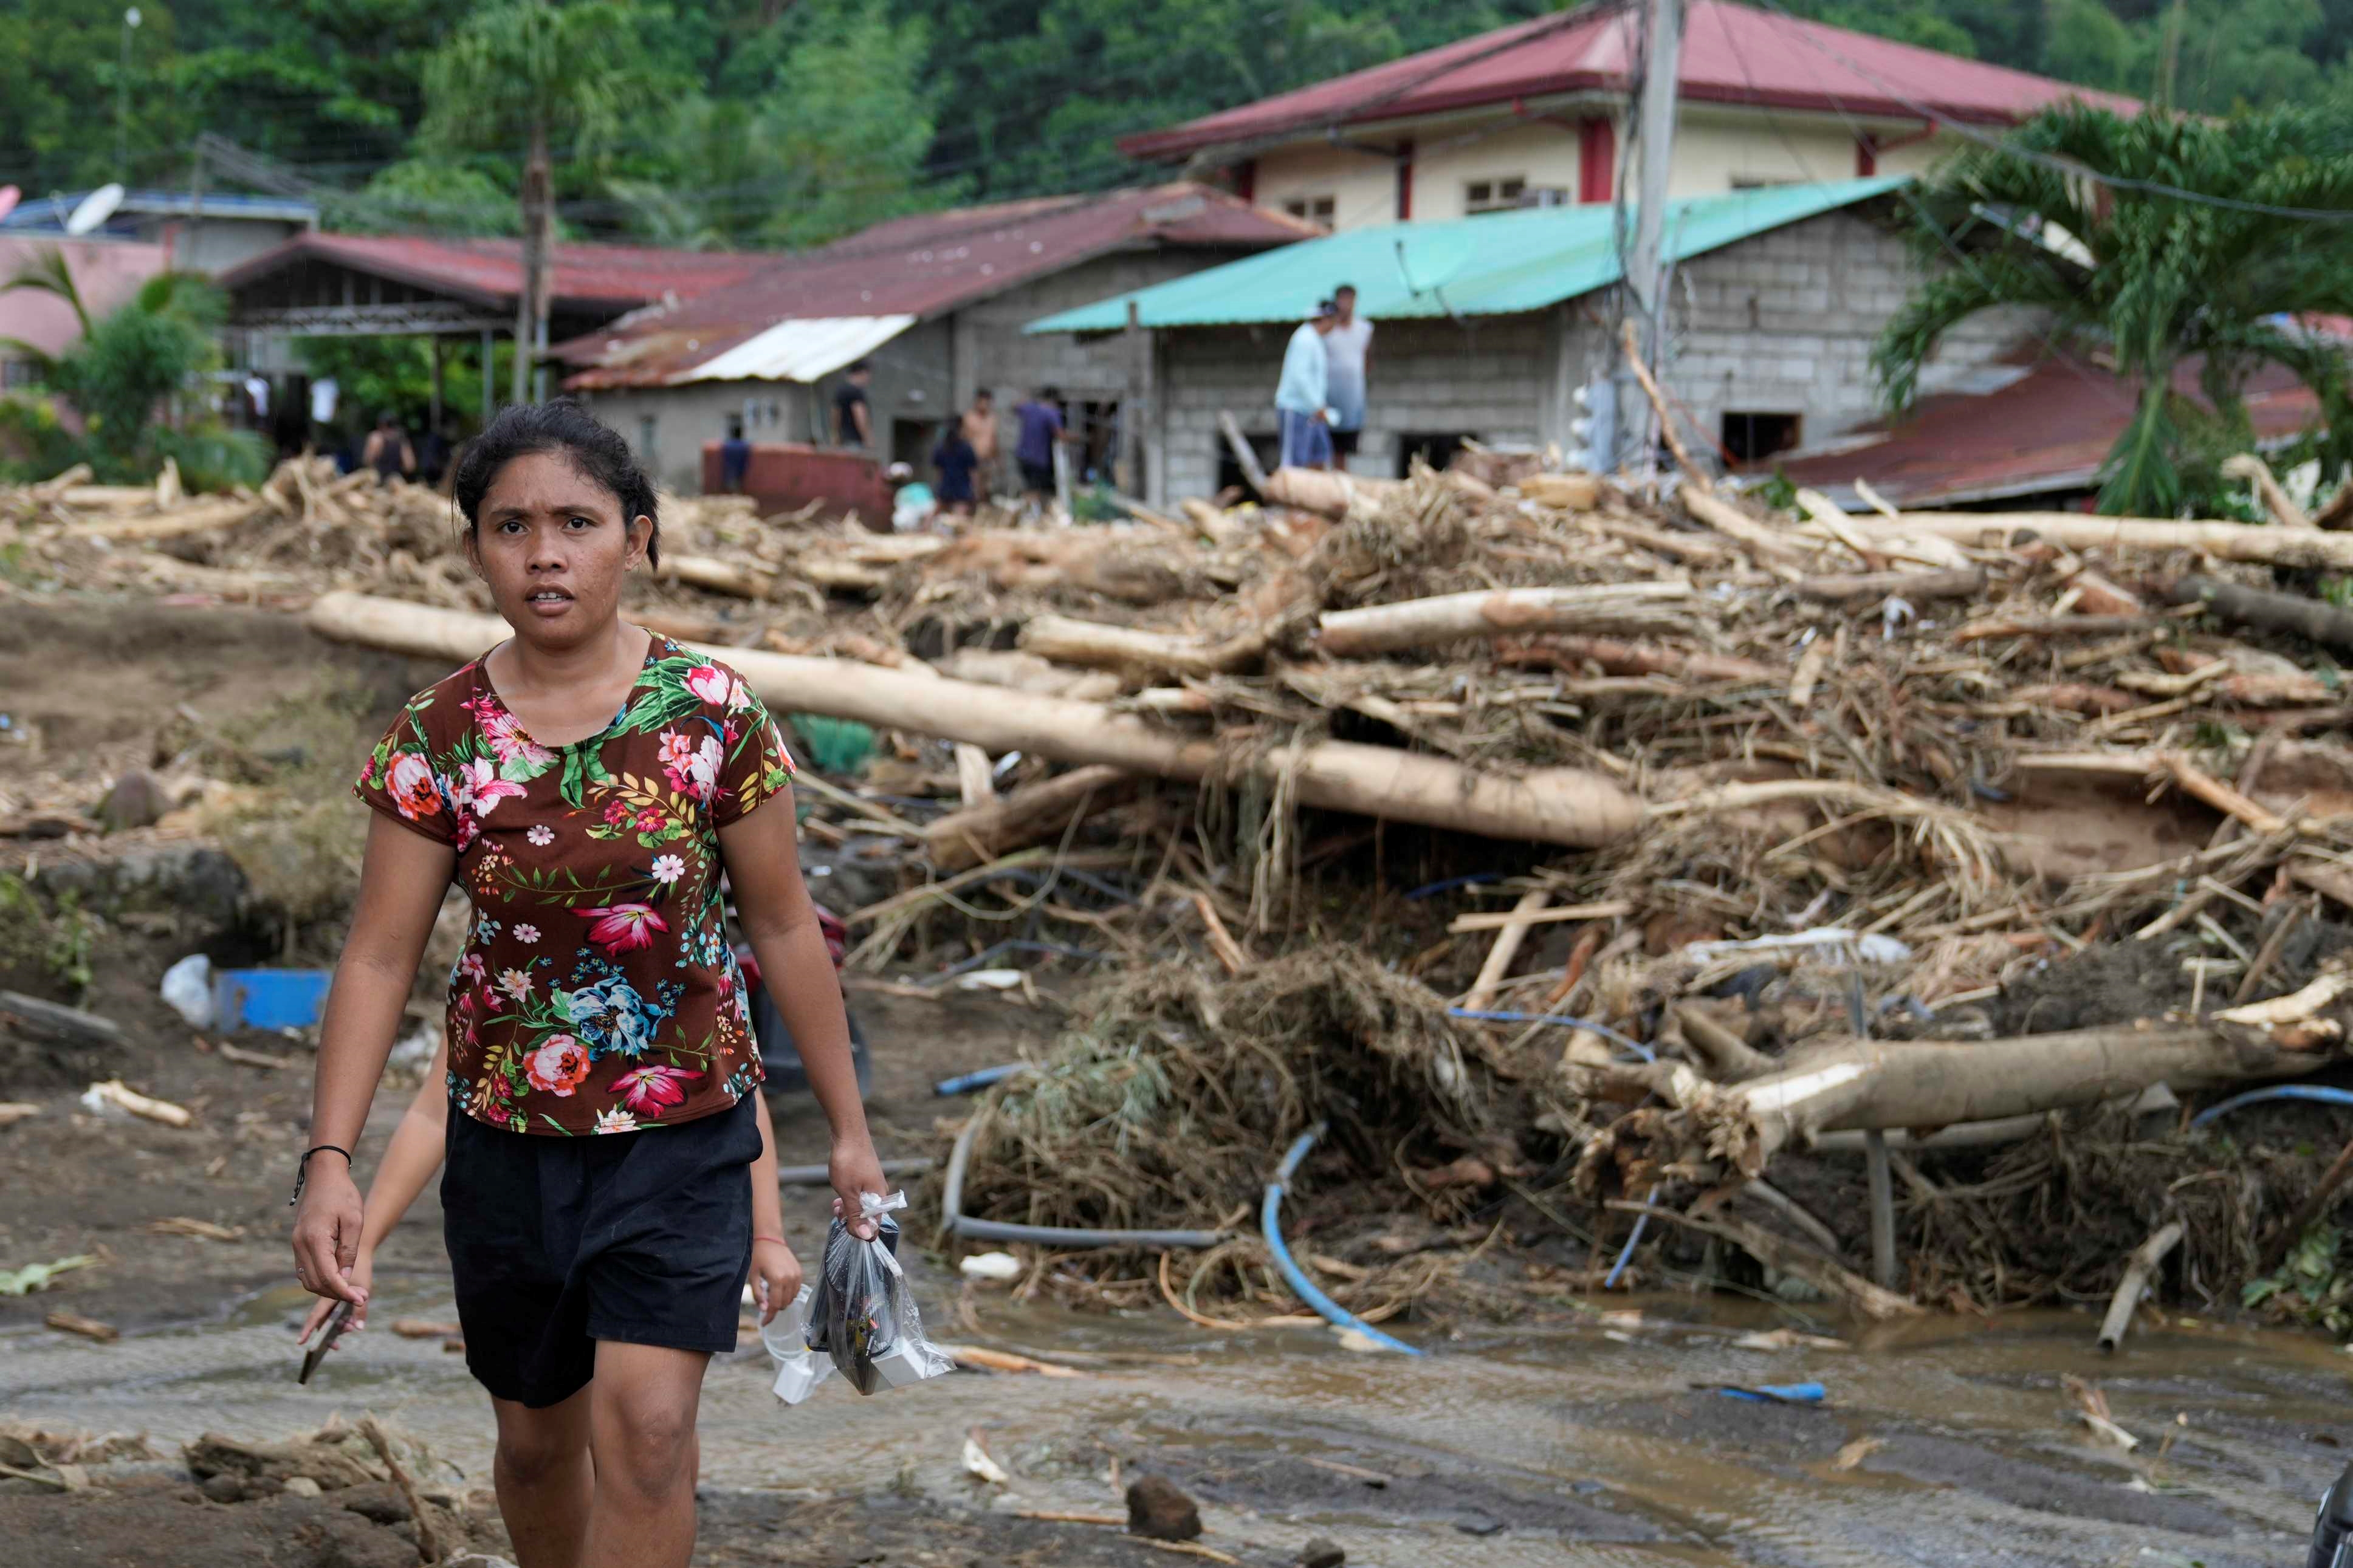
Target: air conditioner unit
pixel 1547 196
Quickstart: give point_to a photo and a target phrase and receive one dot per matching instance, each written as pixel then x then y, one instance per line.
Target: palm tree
pixel 530 73
pixel 2147 280
pixel 128 363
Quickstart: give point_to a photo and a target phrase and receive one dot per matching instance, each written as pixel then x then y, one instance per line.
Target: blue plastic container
pixel 270 998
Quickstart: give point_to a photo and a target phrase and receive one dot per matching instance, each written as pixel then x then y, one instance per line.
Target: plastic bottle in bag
pixel 863 1315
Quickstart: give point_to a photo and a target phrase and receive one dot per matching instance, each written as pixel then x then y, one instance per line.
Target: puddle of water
pixel 1560 1435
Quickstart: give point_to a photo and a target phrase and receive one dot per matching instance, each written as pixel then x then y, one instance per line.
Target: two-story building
pixel 1536 115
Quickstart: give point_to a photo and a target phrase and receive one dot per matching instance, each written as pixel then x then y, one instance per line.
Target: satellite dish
pixel 8 199
pixel 94 209
pixel 1428 261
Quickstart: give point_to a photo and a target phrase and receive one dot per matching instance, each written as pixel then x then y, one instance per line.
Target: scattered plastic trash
pixel 188 987
pixel 1777 1393
pixel 978 1464
pixel 991 980
pixel 998 1265
pixel 270 998
pixel 1875 948
pixel 864 1316
pixel 36 1276
pixel 798 1368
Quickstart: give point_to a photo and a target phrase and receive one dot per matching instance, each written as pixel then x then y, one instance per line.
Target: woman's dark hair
pixel 562 425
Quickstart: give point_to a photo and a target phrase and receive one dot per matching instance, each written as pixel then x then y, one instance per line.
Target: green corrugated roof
pixel 1491 265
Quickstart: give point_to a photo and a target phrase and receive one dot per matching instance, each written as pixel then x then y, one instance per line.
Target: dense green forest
pixel 763 122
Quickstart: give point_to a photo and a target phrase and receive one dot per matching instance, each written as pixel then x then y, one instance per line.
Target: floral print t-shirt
pixel 596 992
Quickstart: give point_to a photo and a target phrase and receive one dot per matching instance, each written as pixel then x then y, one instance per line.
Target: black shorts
pixel 1039 477
pixel 1343 442
pixel 556 1243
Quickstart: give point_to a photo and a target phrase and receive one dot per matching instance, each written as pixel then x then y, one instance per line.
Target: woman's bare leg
pixel 641 1411
pixel 544 1480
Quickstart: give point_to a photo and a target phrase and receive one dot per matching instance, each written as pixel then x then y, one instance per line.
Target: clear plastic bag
pixel 863 1315
pixel 798 1368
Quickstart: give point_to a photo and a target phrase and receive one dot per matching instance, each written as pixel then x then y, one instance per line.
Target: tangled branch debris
pixel 1792 825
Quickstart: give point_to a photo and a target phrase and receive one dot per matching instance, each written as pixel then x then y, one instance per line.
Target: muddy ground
pixel 1568 1437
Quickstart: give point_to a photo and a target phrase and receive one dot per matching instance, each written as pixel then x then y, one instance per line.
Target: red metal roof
pixel 920 266
pixel 490 272
pixel 1731 54
pixel 2050 430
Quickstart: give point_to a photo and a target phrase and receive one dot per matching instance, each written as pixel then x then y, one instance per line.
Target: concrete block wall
pixel 1784 323
pixel 1484 377
pixel 1780 324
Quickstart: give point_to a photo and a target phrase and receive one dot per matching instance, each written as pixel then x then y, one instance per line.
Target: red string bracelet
pixel 779 1240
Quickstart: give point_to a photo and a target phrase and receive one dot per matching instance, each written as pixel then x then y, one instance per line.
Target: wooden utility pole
pixel 1643 295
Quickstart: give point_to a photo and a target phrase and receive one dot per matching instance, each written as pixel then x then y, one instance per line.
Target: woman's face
pixel 553 547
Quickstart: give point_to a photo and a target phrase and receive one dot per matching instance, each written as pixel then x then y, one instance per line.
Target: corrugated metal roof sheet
pixel 802 350
pixel 919 267
pixel 2051 429
pixel 1731 54
pixel 490 272
pixel 1491 266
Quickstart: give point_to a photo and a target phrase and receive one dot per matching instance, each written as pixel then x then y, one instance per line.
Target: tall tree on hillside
pixel 2147 280
pixel 529 75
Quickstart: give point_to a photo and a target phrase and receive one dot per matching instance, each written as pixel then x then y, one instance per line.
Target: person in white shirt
pixel 325 395
pixel 1302 399
pixel 1347 354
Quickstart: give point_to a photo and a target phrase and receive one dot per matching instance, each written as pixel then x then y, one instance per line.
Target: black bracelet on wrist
pixel 302 1167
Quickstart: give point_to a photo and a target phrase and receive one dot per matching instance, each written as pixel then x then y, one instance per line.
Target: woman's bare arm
pixel 402 881
pixel 763 865
pixel 411 1157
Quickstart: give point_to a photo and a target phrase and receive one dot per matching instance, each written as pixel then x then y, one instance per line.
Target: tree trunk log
pixel 1766 543
pixel 718 576
pixel 1552 805
pixel 1094 646
pixel 2082 531
pixel 1031 815
pixel 1859 587
pixel 1870 1084
pixel 1450 618
pixel 2322 623
pixel 1326 493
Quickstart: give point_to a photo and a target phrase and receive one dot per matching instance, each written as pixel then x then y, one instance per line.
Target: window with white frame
pixel 1316 209
pixel 1501 194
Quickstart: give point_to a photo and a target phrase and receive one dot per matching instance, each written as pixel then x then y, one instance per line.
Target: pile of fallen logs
pixel 1785 800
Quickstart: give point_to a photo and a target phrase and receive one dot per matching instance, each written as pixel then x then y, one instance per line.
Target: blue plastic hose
pixel 971 1082
pixel 1778 1392
pixel 1626 1255
pixel 2320 1092
pixel 1488 1016
pixel 1271 1222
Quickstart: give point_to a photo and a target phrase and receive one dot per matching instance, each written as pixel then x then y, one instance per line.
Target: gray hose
pixel 958 1224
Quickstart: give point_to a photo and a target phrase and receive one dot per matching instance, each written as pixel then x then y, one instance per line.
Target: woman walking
pixel 587 783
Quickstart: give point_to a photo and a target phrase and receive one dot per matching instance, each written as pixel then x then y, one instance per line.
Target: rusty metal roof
pixel 490 272
pixel 1732 54
pixel 920 268
pixel 2049 430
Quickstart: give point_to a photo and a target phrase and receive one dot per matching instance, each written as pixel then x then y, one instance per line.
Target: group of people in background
pixel 386 446
pixel 964 459
pixel 1319 402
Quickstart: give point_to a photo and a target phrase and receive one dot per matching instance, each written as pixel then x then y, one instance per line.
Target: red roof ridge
pixel 921 266
pixel 1733 53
